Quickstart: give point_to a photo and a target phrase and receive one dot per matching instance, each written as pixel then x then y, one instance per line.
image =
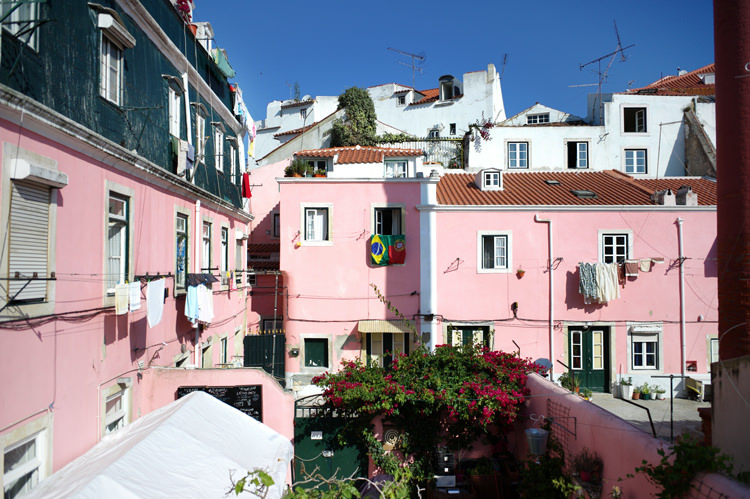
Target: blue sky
pixel 328 45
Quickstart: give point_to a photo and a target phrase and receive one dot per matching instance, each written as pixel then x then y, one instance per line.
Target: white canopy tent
pixel 185 449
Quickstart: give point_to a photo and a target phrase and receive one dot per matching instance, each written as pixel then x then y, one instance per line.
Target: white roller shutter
pixel 29 234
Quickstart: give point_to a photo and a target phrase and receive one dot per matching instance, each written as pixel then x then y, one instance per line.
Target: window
pixel 224 266
pixel 615 248
pixel 316 352
pixel 317 165
pixel 181 245
pixel 713 351
pixel 23 466
pixel 117 241
pixel 316 224
pixel 644 346
pixel 303 113
pixel 206 247
pixel 224 347
pixel 115 412
pixel 452 129
pixel 535 119
pixel 446 90
pixel 434 133
pixel 578 154
pixel 219 149
pixel 175 111
pixel 635 161
pixel 272 325
pixel 111 70
pixel 478 336
pixel 491 180
pixel 240 258
pixel 518 154
pixel 494 252
pixel 233 164
pixel 634 120
pixel 29 231
pixel 200 137
pixel 380 347
pixel 388 221
pixel 276 231
pixel 207 356
pixel 401 100
pixel 22 21
pixel 395 169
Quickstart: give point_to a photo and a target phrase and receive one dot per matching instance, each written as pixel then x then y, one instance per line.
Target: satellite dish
pixel 306 97
pixel 545 364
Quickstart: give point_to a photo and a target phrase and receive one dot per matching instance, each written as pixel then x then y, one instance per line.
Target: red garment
pixel 246 192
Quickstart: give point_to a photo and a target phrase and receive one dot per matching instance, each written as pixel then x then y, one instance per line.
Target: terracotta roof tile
pixel 358 154
pixel 686 84
pixel 529 188
pixel 706 189
pixel 298 103
pixel 431 95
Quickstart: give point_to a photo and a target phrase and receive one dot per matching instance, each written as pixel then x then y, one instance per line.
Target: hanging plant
pixel 185 9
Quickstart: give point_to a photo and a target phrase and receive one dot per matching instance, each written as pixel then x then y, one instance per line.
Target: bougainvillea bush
pixel 451 397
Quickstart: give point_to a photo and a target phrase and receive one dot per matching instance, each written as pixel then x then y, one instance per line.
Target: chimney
pixel 685 196
pixel 664 198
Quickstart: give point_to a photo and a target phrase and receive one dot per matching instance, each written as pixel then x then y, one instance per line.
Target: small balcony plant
pixel 589 466
pixel 626 388
pixel 297 168
pixel 645 391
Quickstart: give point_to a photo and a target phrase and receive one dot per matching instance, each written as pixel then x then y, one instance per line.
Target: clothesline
pixel 599 282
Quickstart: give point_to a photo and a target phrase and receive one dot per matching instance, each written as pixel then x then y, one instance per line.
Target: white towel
pixel 135 296
pixel 154 301
pixel 121 299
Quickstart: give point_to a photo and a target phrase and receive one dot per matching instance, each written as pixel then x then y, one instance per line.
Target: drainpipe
pixel 682 292
pixel 197 269
pixel 187 106
pixel 428 258
pixel 551 296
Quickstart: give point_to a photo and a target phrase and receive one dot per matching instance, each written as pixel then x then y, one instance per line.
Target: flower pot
pixel 636 395
pixel 626 392
pixel 585 475
pixel 660 396
pixel 645 396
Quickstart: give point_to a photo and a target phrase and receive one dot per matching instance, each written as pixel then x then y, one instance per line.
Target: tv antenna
pixel 505 61
pixel 417 61
pixel 603 74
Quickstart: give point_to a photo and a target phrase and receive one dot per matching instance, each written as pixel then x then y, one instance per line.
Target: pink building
pixel 494 258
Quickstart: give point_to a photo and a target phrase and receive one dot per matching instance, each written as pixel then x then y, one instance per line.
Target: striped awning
pixel 383 326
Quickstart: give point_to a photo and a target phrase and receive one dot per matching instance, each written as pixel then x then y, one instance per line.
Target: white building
pixel 665 129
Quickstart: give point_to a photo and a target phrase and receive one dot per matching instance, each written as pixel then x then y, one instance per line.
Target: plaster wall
pixel 63 367
pixel 730 380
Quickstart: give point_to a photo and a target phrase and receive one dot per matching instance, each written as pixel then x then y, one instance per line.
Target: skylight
pixel 584 194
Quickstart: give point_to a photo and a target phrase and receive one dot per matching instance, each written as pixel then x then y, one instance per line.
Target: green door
pixel 589 357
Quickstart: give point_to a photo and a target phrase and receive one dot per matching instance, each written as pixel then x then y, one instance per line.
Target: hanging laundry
pixel 644 265
pixel 182 150
pixel 205 304
pixel 246 192
pixel 631 268
pixel 190 157
pixel 134 296
pixel 607 280
pixel 121 299
pixel 154 302
pixel 232 281
pixel 587 285
pixel 191 304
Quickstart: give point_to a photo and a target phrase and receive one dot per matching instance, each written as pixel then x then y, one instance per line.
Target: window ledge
pixel 116 31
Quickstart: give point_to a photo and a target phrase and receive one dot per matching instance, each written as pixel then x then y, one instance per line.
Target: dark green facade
pixel 63 73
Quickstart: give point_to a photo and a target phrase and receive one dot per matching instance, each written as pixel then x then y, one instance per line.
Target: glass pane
pixel 597 339
pixel 488 249
pixel 19 455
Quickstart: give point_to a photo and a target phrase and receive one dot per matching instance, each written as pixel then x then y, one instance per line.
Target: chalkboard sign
pixel 247 398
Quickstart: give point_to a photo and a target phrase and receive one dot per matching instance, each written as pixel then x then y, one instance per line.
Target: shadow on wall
pixel 711 263
pixel 573 298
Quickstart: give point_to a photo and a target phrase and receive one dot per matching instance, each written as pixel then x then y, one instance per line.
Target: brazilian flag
pixel 387 250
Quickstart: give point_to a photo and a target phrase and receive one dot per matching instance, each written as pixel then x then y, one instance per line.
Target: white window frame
pixel 224 354
pixel 304 368
pixel 507 235
pixel 180 279
pixel 492 180
pixel 582 147
pixel 712 350
pixel 535 119
pixel 200 137
pixel 218 149
pixel 514 161
pixel 110 63
pixel 376 354
pixel 478 334
pixel 396 168
pixel 175 110
pixel 224 263
pixel 640 121
pixel 39 430
pixel 26 15
pixel 631 163
pixel 377 208
pixel 122 272
pixel 642 334
pixel 327 238
pixel 120 417
pixel 206 235
pixel 240 260
pixel 446 90
pixel 401 100
pixel 605 234
pixel 234 171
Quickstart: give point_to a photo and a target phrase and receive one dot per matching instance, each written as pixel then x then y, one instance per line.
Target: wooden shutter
pixel 29 236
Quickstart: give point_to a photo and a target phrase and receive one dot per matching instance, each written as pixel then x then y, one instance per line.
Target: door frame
pixel 610 357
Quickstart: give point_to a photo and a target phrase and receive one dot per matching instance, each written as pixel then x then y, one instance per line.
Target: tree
pixel 358 125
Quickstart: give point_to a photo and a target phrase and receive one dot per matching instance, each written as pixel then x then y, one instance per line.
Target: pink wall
pixel 621 445
pixel 66 364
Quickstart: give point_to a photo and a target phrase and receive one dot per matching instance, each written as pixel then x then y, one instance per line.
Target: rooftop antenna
pixel 505 61
pixel 417 61
pixel 603 74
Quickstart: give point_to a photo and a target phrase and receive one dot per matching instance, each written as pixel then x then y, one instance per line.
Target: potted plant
pixel 645 392
pixel 626 388
pixel 585 393
pixel 636 392
pixel 568 380
pixel 659 392
pixel 297 168
pixel 319 173
pixel 589 466
pixel 520 272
